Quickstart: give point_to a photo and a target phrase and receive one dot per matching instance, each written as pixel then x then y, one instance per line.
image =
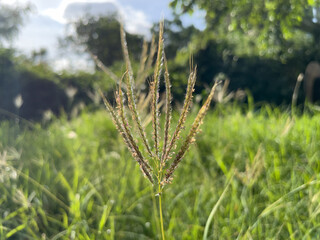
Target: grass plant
pixel 75 179
pixel 157 162
pixel 83 163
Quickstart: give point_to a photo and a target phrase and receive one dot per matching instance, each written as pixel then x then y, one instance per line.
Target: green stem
pixel 160 214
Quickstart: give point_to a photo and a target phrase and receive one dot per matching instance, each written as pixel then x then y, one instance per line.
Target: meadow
pixel 69 170
pixel 75 179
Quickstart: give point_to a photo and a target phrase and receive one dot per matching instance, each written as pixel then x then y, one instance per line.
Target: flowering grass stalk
pixel 157 162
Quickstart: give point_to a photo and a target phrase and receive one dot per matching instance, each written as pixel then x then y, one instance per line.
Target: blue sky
pixel 48 20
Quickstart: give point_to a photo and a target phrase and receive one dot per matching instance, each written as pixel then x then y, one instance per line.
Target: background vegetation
pixel 66 174
pixel 75 179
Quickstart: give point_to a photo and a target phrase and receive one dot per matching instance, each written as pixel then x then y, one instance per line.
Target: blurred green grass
pixel 76 180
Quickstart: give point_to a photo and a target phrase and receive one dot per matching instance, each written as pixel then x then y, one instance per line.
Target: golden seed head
pixel 159 159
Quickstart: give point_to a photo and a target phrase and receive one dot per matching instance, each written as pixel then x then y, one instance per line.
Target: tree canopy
pixel 101 36
pixel 11 19
pixel 269 28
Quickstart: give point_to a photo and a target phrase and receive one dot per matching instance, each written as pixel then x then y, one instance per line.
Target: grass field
pixel 76 180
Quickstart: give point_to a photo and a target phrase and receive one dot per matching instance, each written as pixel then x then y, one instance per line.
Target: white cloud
pixel 14 2
pixel 58 13
pixel 73 64
pixel 135 20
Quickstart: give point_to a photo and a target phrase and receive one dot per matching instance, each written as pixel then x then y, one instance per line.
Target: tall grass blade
pixel 296 93
pixel 104 217
pixel 214 210
pixel 15 230
pixel 45 190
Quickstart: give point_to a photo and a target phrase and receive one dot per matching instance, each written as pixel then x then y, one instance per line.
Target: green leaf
pixel 311 2
pixel 173 4
pixel 15 230
pixel 104 217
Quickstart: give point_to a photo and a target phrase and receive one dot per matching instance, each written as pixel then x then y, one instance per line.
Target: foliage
pixel 76 180
pixel 41 90
pixel 269 80
pixel 34 85
pixel 269 28
pixel 101 37
pixel 11 19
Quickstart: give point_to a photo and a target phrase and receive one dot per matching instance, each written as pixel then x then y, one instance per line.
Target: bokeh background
pixel 259 47
pixel 65 172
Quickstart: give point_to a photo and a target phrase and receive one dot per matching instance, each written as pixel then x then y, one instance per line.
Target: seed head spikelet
pixel 141 160
pixel 130 92
pixel 143 60
pixel 148 63
pixel 152 52
pixel 193 131
pixel 104 68
pixel 116 120
pixel 183 116
pixel 168 110
pixel 122 128
pixel 155 91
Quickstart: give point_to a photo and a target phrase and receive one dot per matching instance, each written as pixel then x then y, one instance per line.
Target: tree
pixel 270 28
pixel 101 36
pixel 11 19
